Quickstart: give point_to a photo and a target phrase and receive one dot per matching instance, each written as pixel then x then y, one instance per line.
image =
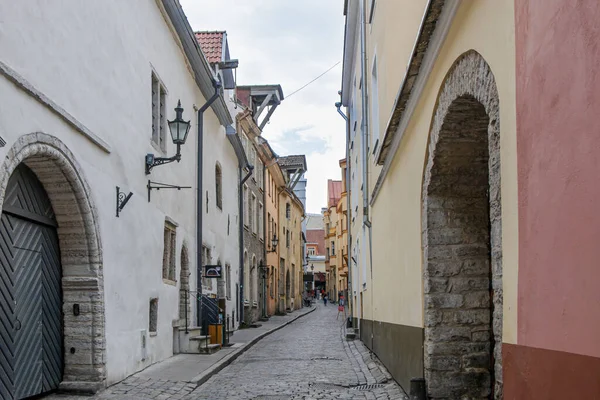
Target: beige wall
pixel 487 27
pixel 292 254
pixel 271 227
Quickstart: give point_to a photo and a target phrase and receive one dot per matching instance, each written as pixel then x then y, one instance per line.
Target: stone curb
pixel 231 357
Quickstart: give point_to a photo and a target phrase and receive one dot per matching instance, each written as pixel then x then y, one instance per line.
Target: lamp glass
pixel 179 130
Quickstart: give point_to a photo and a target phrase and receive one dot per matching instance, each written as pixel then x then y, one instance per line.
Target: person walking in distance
pixel 325 299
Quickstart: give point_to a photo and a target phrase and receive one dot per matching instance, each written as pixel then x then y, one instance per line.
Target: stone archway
pixel 184 286
pixel 462 241
pixel 80 253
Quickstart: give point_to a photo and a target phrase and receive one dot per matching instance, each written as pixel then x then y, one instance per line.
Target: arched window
pixel 218 186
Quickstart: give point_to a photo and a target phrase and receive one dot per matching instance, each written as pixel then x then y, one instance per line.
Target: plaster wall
pixel 95 61
pixel 271 228
pixel 397 252
pixel 558 147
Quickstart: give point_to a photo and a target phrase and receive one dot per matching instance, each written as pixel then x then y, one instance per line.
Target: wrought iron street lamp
pixel 179 130
pixel 274 243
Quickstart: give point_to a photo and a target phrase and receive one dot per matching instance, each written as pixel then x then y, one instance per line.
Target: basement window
pixel 153 322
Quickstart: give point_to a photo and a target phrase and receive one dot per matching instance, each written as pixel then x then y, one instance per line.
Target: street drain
pixel 326 386
pixel 367 387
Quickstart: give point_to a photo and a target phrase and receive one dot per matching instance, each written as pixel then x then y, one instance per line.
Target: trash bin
pixel 216 333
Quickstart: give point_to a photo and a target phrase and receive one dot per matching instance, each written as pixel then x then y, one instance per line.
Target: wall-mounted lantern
pixel 274 242
pixel 179 130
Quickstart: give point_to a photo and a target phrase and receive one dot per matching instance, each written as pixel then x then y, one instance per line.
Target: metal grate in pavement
pixel 367 387
pixel 326 386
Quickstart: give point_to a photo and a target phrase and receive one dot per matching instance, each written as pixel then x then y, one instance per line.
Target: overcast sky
pixel 289 42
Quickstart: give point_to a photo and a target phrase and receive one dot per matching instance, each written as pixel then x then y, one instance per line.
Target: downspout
pixel 364 144
pixel 241 235
pixel 199 238
pixel 338 105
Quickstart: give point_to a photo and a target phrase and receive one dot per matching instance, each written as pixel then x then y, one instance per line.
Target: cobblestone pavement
pixel 309 359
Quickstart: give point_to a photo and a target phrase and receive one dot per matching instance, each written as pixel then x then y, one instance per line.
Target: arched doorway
pixel 184 286
pixel 462 238
pixel 81 336
pixel 253 282
pixel 31 298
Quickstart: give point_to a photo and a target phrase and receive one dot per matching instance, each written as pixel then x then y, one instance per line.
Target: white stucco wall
pixel 94 59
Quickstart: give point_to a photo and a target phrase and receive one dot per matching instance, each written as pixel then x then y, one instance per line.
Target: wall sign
pixel 212 271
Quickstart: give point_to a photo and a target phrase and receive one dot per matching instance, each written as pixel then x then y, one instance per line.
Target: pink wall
pixel 558 130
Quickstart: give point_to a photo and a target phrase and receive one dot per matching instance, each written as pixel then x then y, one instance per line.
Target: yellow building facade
pixel 405 309
pixel 336 237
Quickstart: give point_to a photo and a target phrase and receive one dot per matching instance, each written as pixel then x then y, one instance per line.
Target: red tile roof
pixel 334 192
pixel 211 44
pixel 317 236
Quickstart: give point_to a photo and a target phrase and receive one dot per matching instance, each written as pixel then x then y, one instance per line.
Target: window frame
pixel 219 186
pixel 169 265
pixel 158 109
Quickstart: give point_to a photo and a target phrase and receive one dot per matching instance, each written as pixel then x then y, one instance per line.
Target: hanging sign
pixel 212 271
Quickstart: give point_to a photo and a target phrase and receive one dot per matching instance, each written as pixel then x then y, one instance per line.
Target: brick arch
pixel 81 253
pixel 462 243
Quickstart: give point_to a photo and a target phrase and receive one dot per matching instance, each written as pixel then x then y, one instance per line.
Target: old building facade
pixel 120 254
pixel 315 253
pixel 291 217
pixel 336 237
pixel 450 190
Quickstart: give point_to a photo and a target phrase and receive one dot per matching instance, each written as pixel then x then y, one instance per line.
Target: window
pixel 153 317
pixel 288 211
pixel 252 211
pixel 333 248
pixel 374 107
pixel 170 244
pixel 269 228
pixel 218 182
pixel 228 280
pixel 287 239
pixel 246 214
pixel 159 95
pixel 261 233
pixel 272 284
pixel 311 251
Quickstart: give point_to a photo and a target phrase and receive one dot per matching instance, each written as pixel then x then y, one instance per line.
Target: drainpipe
pixel 241 235
pixel 338 105
pixel 364 145
pixel 199 238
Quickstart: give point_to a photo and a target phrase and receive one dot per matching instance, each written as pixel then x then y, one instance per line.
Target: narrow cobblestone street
pixel 309 359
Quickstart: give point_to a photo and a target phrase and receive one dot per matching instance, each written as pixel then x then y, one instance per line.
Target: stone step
pixel 200 337
pixel 350 336
pixel 209 349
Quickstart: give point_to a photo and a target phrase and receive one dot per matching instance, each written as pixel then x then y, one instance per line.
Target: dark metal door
pixel 31 356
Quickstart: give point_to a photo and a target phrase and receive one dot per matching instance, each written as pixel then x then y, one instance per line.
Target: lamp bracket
pixel 157 186
pixel 152 161
pixel 122 200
